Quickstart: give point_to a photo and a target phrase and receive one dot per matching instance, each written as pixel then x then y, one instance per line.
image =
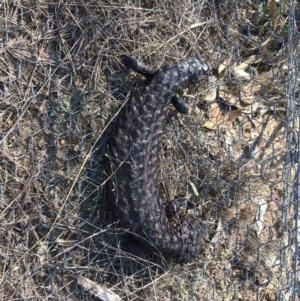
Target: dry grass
pixel 61 82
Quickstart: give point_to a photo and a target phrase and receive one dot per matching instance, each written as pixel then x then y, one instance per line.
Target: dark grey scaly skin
pixel 132 161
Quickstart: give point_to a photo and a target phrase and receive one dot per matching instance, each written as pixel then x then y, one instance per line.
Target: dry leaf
pixel 214 110
pixel 270 58
pixel 196 114
pixel 211 92
pixel 264 76
pixel 240 73
pixel 261 210
pixel 248 109
pixel 252 59
pixel 254 86
pixel 210 125
pixel 229 98
pixel 97 290
pixel 224 65
pixel 223 120
pixel 247 97
pixel 211 95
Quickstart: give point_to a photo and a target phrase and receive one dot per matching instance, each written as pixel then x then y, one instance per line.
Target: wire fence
pixel 235 155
